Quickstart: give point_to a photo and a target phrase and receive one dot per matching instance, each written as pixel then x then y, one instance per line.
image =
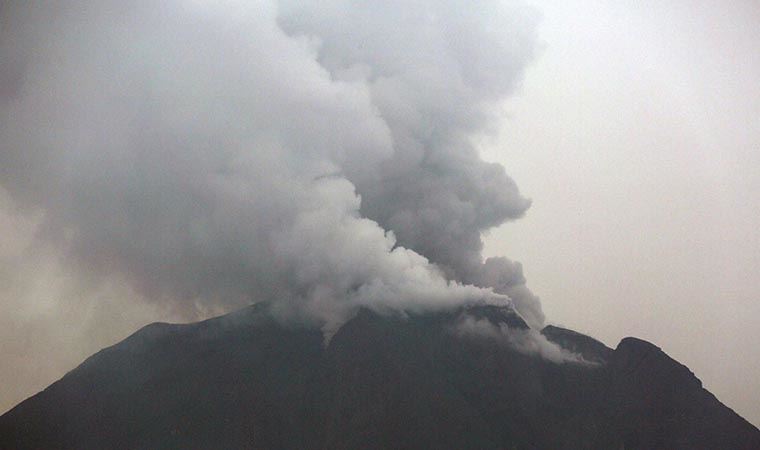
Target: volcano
pixel 246 380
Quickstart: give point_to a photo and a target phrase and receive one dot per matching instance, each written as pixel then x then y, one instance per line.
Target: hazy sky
pixel 635 131
pixel 637 135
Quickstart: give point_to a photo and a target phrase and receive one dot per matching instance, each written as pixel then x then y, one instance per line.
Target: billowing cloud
pixel 434 70
pixel 318 155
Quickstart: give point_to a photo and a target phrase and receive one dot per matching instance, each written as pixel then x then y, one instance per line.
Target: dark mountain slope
pixel 245 381
pixel 231 382
pixel 659 403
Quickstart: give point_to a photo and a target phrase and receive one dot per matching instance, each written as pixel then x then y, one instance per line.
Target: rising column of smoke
pixel 206 155
pixel 435 69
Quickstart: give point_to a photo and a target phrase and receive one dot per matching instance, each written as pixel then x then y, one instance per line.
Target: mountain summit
pixel 244 380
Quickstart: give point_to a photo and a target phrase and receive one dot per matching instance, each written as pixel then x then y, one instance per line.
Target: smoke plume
pixel 313 154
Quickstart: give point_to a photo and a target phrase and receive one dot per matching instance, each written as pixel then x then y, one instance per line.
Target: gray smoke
pixel 317 155
pixel 434 70
pixel 528 341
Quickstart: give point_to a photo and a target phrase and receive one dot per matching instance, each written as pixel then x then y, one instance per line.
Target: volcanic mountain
pixel 245 380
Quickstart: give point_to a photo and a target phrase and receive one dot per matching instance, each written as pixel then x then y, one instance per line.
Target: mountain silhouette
pixel 245 380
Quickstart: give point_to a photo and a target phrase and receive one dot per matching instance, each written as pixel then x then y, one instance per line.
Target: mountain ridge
pixel 244 380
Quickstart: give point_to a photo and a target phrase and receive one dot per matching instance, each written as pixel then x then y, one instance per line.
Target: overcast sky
pixel 637 135
pixel 635 132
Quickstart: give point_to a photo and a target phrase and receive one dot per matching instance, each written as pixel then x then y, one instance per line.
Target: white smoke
pixel 316 155
pixel 528 341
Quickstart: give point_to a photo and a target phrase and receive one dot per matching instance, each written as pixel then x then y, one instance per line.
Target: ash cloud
pixel 218 153
pixel 434 70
